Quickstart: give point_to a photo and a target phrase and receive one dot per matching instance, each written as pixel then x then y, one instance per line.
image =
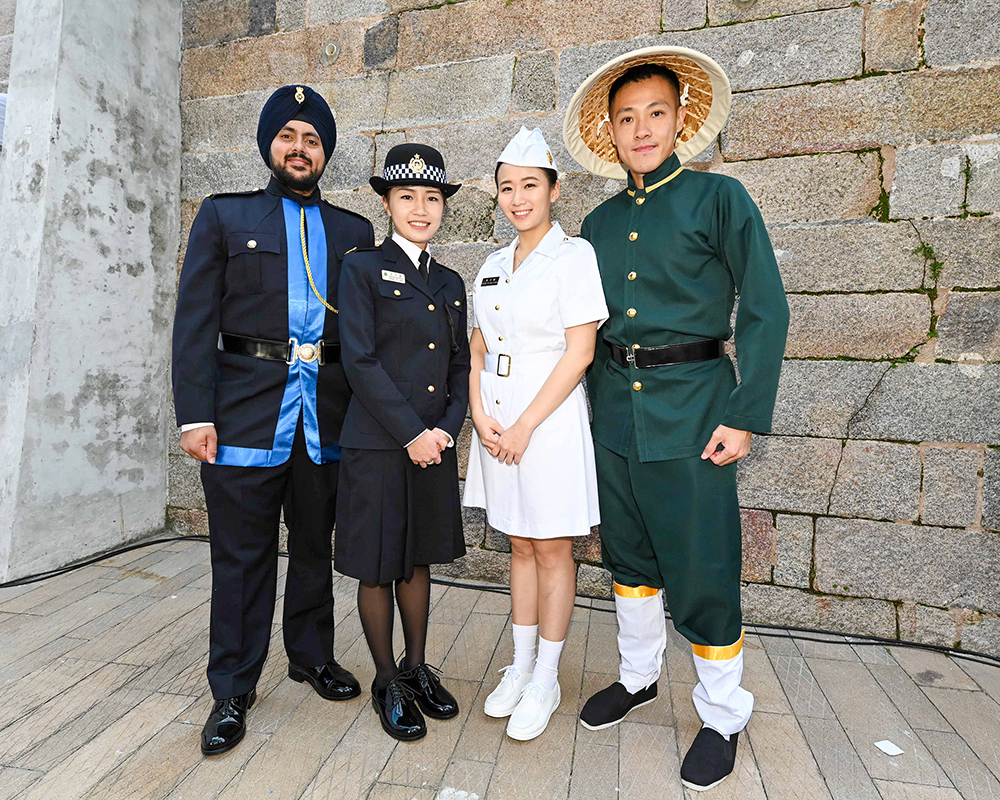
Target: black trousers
pixel 244 505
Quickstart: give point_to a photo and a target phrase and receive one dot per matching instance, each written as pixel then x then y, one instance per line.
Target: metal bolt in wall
pixel 331 51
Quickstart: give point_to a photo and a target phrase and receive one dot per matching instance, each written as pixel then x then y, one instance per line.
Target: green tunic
pixel 672 258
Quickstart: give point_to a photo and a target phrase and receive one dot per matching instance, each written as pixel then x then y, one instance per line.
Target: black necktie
pixel 422 266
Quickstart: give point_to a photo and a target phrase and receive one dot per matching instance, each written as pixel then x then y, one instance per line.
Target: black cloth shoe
pixel 709 761
pixel 331 681
pixel 397 712
pixel 227 724
pixel 611 705
pixel 434 700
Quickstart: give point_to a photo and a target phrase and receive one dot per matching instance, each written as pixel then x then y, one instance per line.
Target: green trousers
pixel 675 525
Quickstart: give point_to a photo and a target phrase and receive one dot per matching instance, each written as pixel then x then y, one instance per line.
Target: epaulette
pixel 217 195
pixel 346 211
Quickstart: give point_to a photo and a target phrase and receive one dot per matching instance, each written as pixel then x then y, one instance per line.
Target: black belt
pixel 667 354
pixel 271 350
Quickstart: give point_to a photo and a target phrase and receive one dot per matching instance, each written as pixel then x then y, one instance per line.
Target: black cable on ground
pixel 760 629
pixel 52 573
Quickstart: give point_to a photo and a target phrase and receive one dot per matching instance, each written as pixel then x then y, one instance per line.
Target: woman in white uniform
pixel 538 305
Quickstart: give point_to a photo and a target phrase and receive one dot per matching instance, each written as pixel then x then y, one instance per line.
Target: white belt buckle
pixel 499 362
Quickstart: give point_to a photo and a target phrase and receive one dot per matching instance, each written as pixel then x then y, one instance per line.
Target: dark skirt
pixel 393 515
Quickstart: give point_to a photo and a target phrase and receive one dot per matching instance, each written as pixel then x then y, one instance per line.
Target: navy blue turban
pixel 295 102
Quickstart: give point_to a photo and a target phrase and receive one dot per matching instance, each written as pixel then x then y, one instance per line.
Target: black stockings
pixel 375 608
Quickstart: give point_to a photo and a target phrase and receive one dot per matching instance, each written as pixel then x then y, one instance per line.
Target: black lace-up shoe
pixel 434 700
pixel 709 761
pixel 397 711
pixel 227 724
pixel 611 705
pixel 331 681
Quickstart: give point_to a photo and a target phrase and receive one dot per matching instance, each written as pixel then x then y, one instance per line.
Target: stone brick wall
pixel 865 131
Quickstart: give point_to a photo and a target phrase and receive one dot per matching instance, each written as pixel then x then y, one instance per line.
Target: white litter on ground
pixel 888 748
pixel 455 794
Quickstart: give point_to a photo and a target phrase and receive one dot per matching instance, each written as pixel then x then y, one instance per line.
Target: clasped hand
pixel 427 449
pixel 507 445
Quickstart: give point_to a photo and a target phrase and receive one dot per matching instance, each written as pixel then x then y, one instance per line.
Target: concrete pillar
pixel 89 224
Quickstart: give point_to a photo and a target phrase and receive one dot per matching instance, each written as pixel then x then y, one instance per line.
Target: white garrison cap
pixel 528 149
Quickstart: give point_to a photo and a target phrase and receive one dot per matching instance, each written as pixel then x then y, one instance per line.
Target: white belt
pixel 503 365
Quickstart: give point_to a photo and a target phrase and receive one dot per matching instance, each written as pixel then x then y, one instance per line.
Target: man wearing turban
pixel 260 397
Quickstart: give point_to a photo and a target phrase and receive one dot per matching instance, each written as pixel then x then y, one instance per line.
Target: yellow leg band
pixel 716 653
pixel 635 591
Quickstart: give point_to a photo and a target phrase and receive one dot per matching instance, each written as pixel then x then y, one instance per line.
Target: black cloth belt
pixel 271 350
pixel 667 354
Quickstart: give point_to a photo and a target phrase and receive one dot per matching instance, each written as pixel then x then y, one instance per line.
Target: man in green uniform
pixel 670 419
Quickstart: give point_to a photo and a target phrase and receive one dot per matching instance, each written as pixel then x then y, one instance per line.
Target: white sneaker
pixel 504 699
pixel 532 714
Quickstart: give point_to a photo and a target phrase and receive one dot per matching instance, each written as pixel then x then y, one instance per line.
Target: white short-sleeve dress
pixel 523 317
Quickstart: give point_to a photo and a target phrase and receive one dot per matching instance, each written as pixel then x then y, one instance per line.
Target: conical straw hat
pixel 585 127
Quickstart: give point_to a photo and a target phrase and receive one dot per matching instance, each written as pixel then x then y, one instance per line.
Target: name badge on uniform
pixel 490 281
pixel 395 277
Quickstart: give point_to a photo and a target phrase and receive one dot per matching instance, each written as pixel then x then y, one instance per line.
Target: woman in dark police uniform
pixel 406 356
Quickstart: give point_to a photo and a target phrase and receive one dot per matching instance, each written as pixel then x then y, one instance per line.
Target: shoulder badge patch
pixel 490 281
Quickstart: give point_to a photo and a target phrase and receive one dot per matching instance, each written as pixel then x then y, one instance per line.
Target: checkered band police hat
pixel 413 165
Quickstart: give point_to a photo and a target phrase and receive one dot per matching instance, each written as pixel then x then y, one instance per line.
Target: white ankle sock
pixel 525 637
pixel 547 665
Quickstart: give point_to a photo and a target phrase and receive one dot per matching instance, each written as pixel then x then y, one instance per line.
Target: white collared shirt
pixel 527 310
pixel 412 250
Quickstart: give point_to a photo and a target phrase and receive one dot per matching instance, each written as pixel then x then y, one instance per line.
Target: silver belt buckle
pixel 507 373
pixel 305 352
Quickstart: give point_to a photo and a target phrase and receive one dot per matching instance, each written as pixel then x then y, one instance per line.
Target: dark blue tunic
pixel 244 274
pixel 406 355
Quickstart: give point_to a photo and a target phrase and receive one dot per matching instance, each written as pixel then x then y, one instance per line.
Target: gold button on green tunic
pixel 672 266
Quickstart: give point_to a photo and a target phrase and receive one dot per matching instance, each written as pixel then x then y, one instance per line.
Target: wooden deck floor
pixel 103 695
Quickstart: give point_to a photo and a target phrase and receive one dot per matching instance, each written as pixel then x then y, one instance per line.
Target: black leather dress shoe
pixel 397 712
pixel 331 681
pixel 434 700
pixel 227 724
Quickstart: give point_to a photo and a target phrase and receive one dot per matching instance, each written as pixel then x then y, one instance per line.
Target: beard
pixel 300 181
